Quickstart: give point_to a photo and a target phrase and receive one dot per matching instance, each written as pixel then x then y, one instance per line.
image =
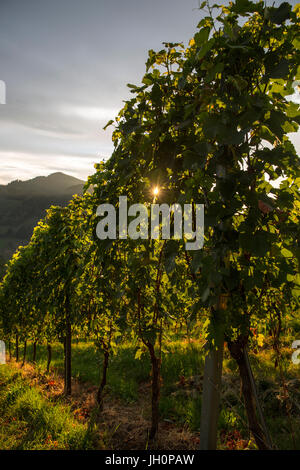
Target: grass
pixel 29 421
pixel 182 371
pixel 125 373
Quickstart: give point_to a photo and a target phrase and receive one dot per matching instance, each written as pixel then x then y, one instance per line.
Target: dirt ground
pixel 120 426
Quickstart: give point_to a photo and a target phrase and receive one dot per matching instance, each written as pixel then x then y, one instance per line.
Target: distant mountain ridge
pixel 56 183
pixel 23 204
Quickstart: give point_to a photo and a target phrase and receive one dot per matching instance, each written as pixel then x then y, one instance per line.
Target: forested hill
pixel 23 203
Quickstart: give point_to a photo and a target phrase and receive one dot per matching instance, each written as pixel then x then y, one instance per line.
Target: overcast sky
pixel 66 64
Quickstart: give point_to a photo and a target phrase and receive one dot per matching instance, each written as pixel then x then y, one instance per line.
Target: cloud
pixel 25 165
pixel 90 113
pixel 66 64
pixel 295 97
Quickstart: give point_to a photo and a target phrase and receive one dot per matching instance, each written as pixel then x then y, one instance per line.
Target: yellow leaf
pixel 260 340
pixel 297 9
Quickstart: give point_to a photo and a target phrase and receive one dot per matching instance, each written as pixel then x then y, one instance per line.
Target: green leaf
pixel 108 124
pixel 286 253
pixel 244 6
pixel 258 244
pixel 213 71
pixel 280 70
pixel 138 354
pixel 192 161
pixel 156 94
pixel 281 14
pixel 205 49
pixel 202 36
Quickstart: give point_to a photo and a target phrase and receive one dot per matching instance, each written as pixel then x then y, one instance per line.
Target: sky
pixel 66 64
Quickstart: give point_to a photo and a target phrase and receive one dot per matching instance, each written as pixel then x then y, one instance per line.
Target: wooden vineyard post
pixel 211 398
pixel 211 392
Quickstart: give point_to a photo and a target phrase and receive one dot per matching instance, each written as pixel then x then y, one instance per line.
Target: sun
pixel 156 191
